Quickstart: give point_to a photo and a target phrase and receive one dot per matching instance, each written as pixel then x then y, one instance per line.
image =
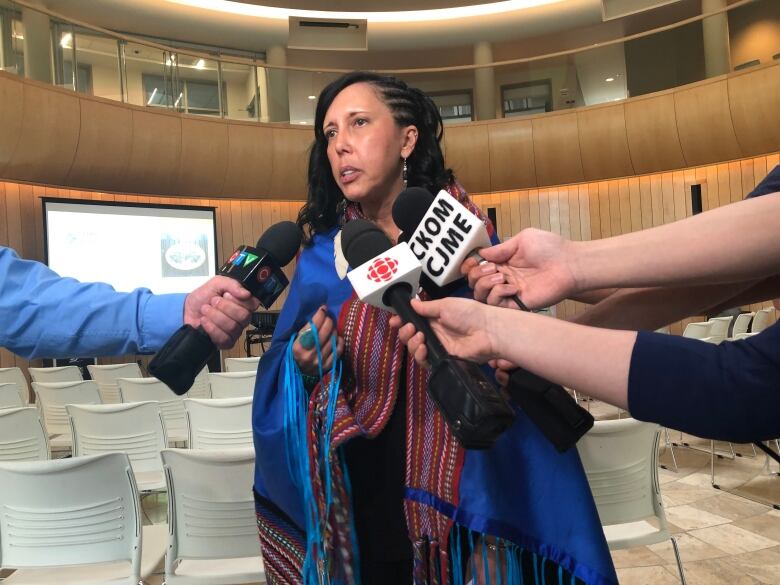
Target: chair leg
pixel 670 447
pixel 679 561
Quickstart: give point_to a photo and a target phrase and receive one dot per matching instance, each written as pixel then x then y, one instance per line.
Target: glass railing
pixel 157 74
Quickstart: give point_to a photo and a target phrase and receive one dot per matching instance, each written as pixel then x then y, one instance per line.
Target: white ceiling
pixel 173 20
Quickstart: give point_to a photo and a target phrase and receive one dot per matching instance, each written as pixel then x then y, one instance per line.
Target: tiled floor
pixel 724 539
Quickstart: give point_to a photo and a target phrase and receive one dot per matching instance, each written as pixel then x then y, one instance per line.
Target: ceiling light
pixel 609 79
pixel 403 16
pixel 312 97
pixel 18 36
pixel 200 64
pixel 66 40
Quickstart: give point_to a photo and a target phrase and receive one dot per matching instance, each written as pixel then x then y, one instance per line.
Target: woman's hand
pixel 536 265
pixel 305 350
pixel 460 324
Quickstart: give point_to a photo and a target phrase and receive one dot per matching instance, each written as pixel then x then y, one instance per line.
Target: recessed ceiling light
pixel 609 79
pixel 200 64
pixel 312 97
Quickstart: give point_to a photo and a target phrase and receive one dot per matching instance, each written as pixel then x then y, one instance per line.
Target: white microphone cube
pixel 372 279
pixel 446 236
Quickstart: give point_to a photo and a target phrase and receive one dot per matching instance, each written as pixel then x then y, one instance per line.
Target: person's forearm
pixel 760 291
pixel 594 361
pixel 591 297
pixel 651 308
pixel 733 243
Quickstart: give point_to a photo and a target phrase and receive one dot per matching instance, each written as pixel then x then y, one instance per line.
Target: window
pixel 11 42
pixel 193 97
pixel 530 97
pixel 454 106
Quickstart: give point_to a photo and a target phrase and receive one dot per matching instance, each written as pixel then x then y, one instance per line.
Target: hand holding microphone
pixel 222 307
pixel 444 234
pixel 259 271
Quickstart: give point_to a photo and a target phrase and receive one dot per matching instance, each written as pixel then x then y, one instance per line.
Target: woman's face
pixel 365 145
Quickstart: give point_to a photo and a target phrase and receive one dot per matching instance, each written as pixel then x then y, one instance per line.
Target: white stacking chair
pixel 51 398
pixel 719 328
pixel 620 458
pixel 16 376
pixel 56 374
pixel 10 397
pixel 741 324
pixel 171 405
pixel 107 375
pixel 245 364
pixel 201 388
pixel 22 435
pixel 232 384
pixel 761 320
pixel 213 528
pixel 135 429
pixel 75 522
pixel 744 335
pixel 219 423
pixel 699 330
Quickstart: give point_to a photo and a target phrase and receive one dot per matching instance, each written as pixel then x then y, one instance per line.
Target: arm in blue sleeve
pixel 728 392
pixel 45 315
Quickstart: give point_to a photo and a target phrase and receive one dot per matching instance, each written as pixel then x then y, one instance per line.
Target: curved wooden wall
pixel 54 136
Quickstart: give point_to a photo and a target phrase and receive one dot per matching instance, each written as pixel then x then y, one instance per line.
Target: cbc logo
pixel 382 269
pixel 263 274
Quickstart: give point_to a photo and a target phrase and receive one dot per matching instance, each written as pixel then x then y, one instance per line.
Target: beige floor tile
pixel 691 549
pixel 689 518
pixel 733 539
pixel 766 525
pixel 763 565
pixel 730 506
pixel 646 576
pixel 714 572
pixel 639 556
pixel 679 494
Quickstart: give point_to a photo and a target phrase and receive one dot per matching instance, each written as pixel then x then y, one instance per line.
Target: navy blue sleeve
pixel 729 392
pixel 770 184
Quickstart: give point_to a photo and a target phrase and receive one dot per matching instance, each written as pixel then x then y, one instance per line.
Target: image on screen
pixel 163 248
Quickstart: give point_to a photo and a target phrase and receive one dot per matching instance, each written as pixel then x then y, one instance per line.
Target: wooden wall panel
pixel 467 152
pixel 11 109
pixel 557 149
pixel 104 146
pixel 48 136
pixel 154 158
pixel 653 140
pixel 604 143
pixel 511 155
pixel 250 159
pixel 204 156
pixel 704 124
pixel 755 101
pixel 289 162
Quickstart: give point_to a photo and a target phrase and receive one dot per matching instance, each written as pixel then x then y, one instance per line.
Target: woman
pixel 358 479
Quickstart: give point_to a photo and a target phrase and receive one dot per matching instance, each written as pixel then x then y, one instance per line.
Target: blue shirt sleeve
pixel 729 391
pixel 45 315
pixel 770 184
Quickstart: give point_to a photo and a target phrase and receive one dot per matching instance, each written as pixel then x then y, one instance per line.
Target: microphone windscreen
pixel 281 241
pixel 361 241
pixel 410 207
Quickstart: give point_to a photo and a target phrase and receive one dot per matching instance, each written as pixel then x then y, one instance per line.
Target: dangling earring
pixel 405 174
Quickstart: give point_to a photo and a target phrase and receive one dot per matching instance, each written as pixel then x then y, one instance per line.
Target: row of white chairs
pixel 106 377
pixel 89 530
pixel 137 428
pixel 716 329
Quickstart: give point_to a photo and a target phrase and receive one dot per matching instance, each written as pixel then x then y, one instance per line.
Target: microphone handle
pixel 182 358
pixel 398 296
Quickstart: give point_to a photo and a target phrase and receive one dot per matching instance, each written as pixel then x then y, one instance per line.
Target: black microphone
pixel 560 419
pixel 259 270
pixel 475 410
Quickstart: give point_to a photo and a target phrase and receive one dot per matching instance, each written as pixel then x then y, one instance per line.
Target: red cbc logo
pixel 382 269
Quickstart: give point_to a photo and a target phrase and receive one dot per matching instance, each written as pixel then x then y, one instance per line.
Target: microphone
pixel 387 277
pixel 443 234
pixel 259 270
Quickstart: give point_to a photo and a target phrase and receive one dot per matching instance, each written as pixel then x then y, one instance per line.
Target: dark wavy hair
pixel 409 106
